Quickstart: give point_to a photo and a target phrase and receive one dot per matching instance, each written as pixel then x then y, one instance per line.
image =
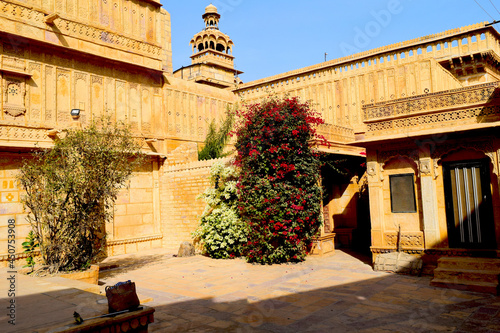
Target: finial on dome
pixel 211 9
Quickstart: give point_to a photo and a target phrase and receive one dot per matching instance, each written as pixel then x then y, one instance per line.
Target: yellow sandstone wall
pixel 10 205
pixel 180 209
pixel 338 88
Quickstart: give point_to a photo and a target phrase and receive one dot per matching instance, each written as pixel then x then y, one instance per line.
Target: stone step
pixel 490 264
pixel 482 287
pixel 472 275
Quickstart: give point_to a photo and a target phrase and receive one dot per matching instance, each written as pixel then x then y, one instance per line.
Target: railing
pixel 334 133
pixel 455 98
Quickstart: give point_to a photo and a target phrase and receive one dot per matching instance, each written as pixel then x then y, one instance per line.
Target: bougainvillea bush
pixel 278 187
pixel 221 233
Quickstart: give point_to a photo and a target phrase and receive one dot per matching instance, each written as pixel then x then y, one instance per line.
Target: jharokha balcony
pixel 471 108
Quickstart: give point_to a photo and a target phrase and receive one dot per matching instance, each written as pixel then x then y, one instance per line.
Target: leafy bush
pixel 29 247
pixel 216 139
pixel 221 232
pixel 279 194
pixel 71 189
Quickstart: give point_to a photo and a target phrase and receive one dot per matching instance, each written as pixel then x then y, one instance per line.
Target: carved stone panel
pixel 408 239
pixel 14 101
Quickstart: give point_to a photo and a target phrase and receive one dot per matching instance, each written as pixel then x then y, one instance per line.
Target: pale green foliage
pixel 221 232
pixel 71 189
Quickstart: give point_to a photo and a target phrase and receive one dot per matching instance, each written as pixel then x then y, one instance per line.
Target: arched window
pixel 212 45
pixel 220 48
pixel 200 47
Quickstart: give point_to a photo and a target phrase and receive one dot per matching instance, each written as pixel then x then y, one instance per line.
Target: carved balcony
pixel 454 110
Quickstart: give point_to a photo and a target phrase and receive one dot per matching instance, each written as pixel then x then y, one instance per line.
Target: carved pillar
pixel 376 201
pixel 429 202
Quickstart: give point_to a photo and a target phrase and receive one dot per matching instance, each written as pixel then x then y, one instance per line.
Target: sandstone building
pixel 423 111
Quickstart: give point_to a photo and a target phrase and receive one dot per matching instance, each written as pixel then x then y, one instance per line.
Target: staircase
pixel 472 274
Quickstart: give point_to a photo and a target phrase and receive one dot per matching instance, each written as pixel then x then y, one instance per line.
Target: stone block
pixel 128 220
pixel 186 249
pixel 141 181
pixel 11 208
pixel 140 208
pixel 148 219
pixel 120 209
pixel 141 195
pixel 130 248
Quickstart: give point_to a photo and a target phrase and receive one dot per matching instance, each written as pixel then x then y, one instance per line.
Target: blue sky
pixel 276 36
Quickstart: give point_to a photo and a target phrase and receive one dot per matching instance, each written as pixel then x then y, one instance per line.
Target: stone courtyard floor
pixel 334 293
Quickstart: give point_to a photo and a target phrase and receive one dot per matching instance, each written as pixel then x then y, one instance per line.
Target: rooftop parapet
pixel 426 44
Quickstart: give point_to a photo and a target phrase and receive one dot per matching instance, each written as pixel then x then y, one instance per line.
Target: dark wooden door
pixel 468 204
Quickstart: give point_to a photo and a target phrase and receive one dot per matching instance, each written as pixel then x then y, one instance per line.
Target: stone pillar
pixel 429 202
pixel 376 201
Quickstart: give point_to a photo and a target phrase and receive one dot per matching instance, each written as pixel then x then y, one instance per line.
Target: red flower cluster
pixel 278 187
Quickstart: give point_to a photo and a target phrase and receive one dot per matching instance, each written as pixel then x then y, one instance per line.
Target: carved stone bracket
pixel 425 167
pixel 371 169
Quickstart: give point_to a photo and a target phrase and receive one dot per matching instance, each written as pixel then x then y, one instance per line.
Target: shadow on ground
pixel 287 302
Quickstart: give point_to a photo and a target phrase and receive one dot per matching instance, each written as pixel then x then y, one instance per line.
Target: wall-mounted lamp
pixel 75 113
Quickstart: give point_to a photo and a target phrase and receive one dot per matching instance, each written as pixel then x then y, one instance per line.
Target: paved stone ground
pixel 335 293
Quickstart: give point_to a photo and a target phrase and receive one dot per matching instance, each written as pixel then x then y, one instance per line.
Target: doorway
pixel 469 211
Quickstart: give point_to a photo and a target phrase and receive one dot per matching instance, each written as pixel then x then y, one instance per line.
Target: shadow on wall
pixel 352 224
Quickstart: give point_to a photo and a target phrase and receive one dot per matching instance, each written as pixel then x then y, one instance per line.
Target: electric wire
pixel 484 10
pixel 494 7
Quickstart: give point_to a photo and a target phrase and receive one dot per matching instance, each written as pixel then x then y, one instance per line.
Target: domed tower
pixel 212 61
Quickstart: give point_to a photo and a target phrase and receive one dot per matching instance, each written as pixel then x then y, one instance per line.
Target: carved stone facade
pixel 417 108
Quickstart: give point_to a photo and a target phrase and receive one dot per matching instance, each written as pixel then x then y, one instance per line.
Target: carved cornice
pixel 380 250
pixel 12 133
pixel 133 240
pixel 82 30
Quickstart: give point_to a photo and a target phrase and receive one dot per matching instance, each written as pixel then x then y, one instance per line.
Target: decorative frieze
pixel 23 133
pixel 412 240
pixel 464 96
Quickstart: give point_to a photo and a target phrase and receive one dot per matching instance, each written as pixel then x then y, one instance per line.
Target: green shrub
pixel 221 232
pixel 71 189
pixel 216 139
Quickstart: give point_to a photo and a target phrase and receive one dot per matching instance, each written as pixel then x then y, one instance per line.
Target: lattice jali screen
pixel 484 93
pixel 436 120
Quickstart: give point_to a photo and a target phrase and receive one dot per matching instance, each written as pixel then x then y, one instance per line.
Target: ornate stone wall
pixel 339 88
pixel 134 31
